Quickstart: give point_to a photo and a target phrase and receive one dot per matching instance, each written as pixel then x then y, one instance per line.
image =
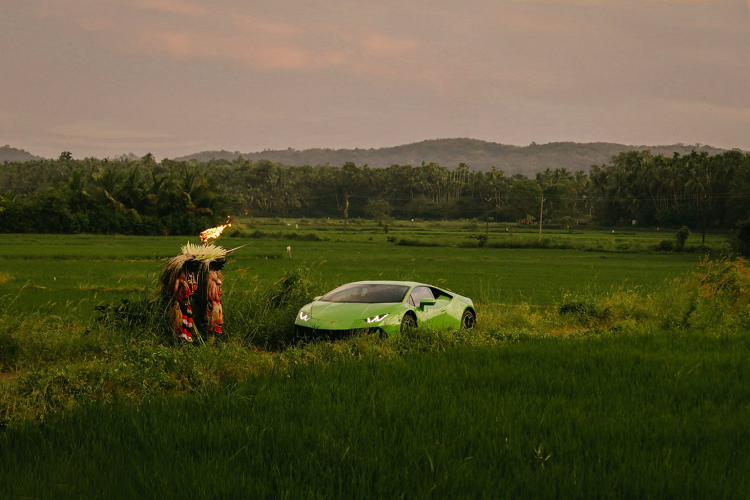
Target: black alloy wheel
pixel 408 322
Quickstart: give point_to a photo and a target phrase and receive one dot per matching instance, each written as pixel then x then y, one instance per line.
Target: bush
pixel 739 238
pixel 583 311
pixel 9 349
pixel 303 236
pixel 265 316
pixel 665 246
pixel 681 237
pixel 135 318
pixel 416 243
pixel 482 239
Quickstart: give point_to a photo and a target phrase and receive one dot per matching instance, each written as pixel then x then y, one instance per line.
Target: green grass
pixel 68 275
pixel 607 416
pixel 595 371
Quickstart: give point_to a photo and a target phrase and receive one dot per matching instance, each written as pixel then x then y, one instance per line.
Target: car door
pixel 442 317
pixel 425 314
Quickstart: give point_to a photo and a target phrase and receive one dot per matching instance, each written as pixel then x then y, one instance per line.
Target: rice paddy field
pixel 600 368
pixel 70 274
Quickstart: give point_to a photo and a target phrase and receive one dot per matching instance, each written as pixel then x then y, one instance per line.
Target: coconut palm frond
pixel 204 252
pixel 196 259
pixel 229 252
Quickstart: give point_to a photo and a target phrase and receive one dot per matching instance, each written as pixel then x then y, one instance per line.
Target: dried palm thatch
pixel 195 260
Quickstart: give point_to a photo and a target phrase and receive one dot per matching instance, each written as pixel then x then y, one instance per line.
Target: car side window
pixel 419 293
pixel 439 294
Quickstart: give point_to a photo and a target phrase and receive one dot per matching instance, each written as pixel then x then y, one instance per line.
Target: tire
pixel 468 320
pixel 409 322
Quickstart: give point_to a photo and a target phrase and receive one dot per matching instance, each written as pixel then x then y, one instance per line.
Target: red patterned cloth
pixel 184 325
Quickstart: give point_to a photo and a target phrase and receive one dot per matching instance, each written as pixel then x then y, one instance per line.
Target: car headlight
pixel 375 319
pixel 303 316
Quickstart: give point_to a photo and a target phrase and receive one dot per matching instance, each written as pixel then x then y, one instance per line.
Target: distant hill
pixel 477 154
pixel 8 153
pixel 481 155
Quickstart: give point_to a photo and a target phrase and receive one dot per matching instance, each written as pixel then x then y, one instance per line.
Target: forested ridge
pixel 481 155
pixel 8 153
pixel 144 196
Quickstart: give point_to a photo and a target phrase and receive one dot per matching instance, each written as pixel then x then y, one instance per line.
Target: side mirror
pixel 317 298
pixel 427 302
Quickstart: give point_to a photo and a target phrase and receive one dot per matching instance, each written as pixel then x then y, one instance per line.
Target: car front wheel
pixel 408 322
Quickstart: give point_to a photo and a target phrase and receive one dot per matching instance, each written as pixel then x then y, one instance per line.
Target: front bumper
pixel 317 329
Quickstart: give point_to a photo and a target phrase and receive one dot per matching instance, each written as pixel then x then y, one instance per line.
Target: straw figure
pixel 195 274
pixel 182 313
pixel 214 310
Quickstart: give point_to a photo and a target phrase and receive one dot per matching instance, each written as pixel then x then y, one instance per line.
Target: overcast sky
pixel 172 77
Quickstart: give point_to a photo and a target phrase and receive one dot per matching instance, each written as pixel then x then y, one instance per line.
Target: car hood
pixel 347 310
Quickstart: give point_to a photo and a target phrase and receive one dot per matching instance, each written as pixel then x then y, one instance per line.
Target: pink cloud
pixel 243 48
pixel 179 7
pixel 238 18
pixel 175 29
pixel 381 45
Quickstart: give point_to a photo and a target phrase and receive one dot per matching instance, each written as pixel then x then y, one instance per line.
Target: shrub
pixel 728 279
pixel 265 316
pixel 665 246
pixel 416 243
pixel 681 237
pixel 739 238
pixel 303 236
pixel 9 349
pixel 482 239
pixel 135 318
pixel 582 310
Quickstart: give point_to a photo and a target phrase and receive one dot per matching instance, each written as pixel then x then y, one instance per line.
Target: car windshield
pixel 367 294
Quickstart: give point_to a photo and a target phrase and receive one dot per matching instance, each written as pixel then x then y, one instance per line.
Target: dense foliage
pixel 145 197
pixel 100 196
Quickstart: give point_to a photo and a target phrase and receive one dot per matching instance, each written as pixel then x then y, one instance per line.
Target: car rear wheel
pixel 408 322
pixel 468 320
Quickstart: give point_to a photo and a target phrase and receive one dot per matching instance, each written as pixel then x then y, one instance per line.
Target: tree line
pixel 143 196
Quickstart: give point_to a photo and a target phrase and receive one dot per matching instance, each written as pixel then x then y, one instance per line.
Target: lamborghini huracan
pixel 386 307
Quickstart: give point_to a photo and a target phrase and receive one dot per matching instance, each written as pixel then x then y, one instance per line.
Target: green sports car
pixel 387 307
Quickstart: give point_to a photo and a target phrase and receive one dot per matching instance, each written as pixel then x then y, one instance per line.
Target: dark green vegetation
pixel 93 196
pixel 142 196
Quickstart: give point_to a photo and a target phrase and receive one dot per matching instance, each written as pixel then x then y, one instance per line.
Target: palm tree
pixel 107 183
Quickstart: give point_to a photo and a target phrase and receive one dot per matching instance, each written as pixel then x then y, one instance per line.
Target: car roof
pixel 385 282
pixel 410 284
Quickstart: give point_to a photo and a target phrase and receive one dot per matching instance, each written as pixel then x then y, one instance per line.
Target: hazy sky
pixel 105 77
